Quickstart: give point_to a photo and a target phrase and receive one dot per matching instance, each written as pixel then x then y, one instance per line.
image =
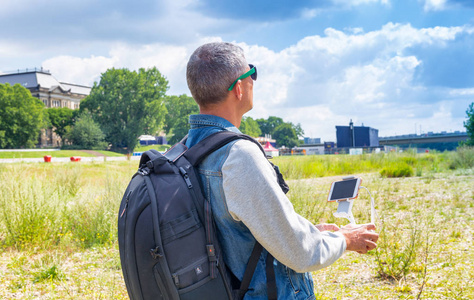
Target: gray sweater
pixel 254 197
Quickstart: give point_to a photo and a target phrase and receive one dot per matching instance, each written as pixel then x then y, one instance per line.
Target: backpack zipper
pixel 126 203
pixel 186 177
pixel 186 269
pixel 176 279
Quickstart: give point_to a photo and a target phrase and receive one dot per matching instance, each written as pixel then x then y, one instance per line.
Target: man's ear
pixel 238 89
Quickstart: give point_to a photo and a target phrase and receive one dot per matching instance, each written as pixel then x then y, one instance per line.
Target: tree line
pixel 122 106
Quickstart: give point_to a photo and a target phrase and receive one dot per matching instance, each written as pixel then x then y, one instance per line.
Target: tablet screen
pixel 344 189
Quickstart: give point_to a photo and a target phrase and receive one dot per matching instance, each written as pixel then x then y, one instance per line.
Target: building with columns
pixel 45 87
pixel 48 89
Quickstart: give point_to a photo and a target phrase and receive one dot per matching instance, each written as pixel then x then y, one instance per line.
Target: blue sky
pixel 398 66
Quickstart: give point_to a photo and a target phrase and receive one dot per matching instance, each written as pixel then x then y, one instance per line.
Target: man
pixel 246 199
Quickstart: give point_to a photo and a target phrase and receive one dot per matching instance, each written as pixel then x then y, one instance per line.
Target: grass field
pixel 58 226
pixel 61 153
pixel 160 148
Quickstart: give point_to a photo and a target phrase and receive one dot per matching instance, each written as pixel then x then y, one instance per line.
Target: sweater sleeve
pixel 254 197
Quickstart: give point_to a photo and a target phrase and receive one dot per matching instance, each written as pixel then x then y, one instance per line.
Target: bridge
pixel 430 137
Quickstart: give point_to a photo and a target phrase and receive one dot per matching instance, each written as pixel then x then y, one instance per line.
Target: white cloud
pixel 434 5
pixel 462 92
pixel 170 60
pixel 78 70
pixel 360 2
pixel 323 81
pixel 320 82
pixel 309 13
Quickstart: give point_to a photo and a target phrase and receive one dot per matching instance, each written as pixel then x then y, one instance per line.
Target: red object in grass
pixel 75 158
pixel 47 158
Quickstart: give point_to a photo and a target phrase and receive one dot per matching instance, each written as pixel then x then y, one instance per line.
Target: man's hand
pixel 360 238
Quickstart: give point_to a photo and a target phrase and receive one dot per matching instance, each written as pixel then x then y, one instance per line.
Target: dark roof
pixel 44 79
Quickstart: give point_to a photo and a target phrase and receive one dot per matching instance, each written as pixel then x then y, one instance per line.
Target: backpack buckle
pixel 143 171
pixel 211 253
pixel 156 253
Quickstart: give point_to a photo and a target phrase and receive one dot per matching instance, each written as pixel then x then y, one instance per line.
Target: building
pixel 440 141
pixel 45 87
pixel 312 149
pixel 311 146
pixel 48 89
pixel 264 139
pixel 356 136
pixel 270 150
pixel 311 141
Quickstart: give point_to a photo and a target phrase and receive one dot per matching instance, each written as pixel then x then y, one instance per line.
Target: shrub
pixel 86 134
pixel 396 251
pixel 401 170
pixel 48 274
pixel 462 158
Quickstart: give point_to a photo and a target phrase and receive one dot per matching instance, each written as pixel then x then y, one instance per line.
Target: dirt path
pixel 98 154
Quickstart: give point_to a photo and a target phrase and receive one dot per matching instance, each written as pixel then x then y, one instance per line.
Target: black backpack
pixel 166 232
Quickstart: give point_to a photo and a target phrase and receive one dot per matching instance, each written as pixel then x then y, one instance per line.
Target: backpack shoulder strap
pixel 148 155
pixel 198 152
pixel 195 155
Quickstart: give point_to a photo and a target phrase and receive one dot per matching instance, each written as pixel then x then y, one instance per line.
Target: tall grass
pixel 76 204
pixel 299 167
pixel 45 205
pixel 58 226
pixel 62 153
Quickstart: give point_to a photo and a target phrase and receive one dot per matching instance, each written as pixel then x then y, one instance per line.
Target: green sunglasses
pixel 252 73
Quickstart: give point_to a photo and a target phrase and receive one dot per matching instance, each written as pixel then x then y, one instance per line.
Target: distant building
pixel 153 140
pixel 312 141
pixel 312 149
pixel 264 139
pixel 53 93
pixel 329 147
pixel 45 87
pixel 356 136
pixel 435 141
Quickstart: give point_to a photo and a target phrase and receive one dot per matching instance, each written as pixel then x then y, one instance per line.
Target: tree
pixel 177 120
pixel 127 104
pixel 469 124
pixel 21 117
pixel 60 118
pixel 85 134
pixel 285 135
pixel 250 127
pixel 299 131
pixel 268 126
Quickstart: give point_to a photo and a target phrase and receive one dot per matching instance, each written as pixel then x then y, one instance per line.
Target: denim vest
pixel 236 240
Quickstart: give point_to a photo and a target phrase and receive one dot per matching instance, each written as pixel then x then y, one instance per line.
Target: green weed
pixel 402 170
pixel 396 251
pixel 462 158
pixel 48 273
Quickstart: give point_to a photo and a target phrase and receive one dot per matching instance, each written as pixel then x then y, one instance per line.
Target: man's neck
pixel 224 112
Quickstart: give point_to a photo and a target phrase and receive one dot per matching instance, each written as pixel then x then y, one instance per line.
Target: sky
pixel 400 66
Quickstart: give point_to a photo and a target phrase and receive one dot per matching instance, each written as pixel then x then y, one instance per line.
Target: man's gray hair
pixel 212 69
